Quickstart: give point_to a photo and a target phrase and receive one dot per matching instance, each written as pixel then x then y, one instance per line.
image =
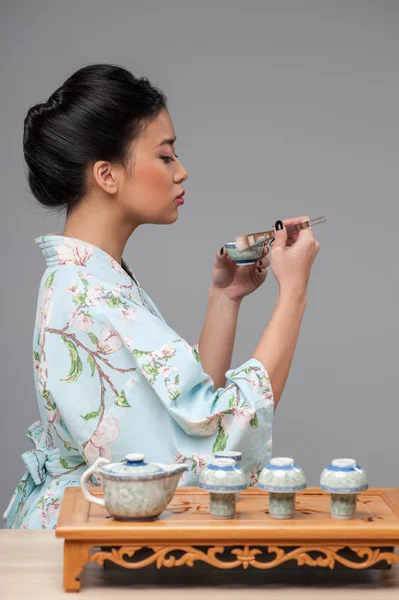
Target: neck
pixel 100 226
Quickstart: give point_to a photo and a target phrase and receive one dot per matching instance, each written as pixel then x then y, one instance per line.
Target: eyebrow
pixel 169 141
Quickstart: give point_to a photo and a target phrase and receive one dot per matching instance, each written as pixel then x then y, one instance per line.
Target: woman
pixel 111 376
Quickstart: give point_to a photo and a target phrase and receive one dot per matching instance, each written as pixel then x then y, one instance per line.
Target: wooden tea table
pixel 185 534
pixel 225 559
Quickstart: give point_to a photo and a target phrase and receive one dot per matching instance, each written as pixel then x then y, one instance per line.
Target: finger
pixel 291 241
pixel 263 263
pixel 261 273
pixel 294 221
pixel 265 251
pixel 295 234
pixel 280 235
pixel 221 257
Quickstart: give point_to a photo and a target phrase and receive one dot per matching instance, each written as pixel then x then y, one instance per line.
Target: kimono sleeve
pixel 173 370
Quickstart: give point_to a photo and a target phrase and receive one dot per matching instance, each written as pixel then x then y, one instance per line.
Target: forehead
pixel 158 130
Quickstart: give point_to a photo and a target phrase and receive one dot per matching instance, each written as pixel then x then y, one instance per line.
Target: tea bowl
pixel 244 257
pixel 234 454
pixel 282 477
pixel 222 478
pixel 344 479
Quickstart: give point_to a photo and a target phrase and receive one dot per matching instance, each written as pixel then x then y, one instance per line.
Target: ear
pixel 106 176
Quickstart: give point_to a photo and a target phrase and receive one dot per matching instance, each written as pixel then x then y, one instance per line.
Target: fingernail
pixel 221 251
pixel 279 225
pixel 259 270
pixel 260 263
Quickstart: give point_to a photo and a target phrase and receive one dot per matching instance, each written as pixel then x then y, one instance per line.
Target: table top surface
pixel 31 566
pixel 187 518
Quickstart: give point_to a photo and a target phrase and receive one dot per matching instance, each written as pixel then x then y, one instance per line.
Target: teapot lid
pixel 133 464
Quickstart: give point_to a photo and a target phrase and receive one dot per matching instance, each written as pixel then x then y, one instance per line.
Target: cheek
pixel 152 177
pixel 148 193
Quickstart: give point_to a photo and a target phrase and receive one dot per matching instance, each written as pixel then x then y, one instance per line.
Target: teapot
pixel 133 489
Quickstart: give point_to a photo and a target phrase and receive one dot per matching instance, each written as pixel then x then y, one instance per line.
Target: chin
pixel 170 218
pixel 166 218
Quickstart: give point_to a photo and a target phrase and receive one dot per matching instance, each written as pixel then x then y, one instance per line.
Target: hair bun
pixel 53 104
pixel 56 100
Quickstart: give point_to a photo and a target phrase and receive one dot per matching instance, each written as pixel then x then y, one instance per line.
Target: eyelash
pixel 169 159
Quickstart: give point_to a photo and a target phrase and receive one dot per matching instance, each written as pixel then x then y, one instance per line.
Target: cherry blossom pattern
pixel 100 442
pixel 74 253
pixel 108 343
pixel 48 507
pixel 238 411
pixel 195 461
pixel 156 364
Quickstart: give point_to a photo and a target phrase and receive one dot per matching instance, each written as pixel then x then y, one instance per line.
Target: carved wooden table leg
pixel 76 555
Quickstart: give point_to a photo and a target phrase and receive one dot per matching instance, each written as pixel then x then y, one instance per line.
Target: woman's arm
pixel 291 267
pixel 276 347
pixel 218 334
pixel 278 342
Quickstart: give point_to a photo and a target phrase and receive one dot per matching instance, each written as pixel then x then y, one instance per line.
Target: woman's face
pixel 150 190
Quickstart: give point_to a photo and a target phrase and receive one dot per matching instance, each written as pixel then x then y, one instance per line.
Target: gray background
pixel 281 108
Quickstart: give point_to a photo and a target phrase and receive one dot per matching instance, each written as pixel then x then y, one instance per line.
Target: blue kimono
pixel 112 378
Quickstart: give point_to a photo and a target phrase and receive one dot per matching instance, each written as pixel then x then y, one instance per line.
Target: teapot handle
pixel 85 478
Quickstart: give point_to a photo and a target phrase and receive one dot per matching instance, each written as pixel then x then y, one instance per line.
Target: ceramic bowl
pixel 235 455
pixel 134 489
pixel 222 478
pixel 282 475
pixel 344 479
pixel 244 257
pixel 282 478
pixel 343 476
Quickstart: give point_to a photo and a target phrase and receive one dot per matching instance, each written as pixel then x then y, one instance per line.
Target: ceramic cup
pixel 222 478
pixel 244 257
pixel 343 478
pixel 282 477
pixel 235 455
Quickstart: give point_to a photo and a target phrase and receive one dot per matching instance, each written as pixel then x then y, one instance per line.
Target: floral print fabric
pixel 112 377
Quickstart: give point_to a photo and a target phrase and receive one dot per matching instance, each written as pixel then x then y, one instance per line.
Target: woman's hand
pixel 291 265
pixel 237 282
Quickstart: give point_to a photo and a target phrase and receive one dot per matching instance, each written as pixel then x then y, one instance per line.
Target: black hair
pixel 94 115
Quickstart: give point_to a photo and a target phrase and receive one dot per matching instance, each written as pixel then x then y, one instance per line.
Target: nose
pixel 180 173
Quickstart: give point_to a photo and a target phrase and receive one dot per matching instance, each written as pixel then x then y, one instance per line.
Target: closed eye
pixel 168 159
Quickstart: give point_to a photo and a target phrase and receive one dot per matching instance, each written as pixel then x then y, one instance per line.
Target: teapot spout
pixel 181 468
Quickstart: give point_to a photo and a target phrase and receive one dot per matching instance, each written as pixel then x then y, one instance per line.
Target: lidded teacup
pixel 282 478
pixel 344 479
pixel 223 478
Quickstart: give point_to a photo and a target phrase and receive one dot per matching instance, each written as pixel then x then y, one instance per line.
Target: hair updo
pixel 94 115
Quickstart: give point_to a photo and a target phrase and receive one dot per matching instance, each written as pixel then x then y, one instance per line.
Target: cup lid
pixel 343 476
pixel 223 475
pixel 282 475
